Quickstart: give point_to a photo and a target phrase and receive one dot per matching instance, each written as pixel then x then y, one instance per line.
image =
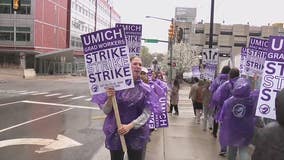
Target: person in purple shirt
pixel 135 106
pixel 155 79
pixel 237 119
pixel 220 79
pixel 221 94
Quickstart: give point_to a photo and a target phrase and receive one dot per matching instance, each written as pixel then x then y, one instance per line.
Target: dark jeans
pixel 132 154
pixel 194 107
pixel 175 108
pixel 215 128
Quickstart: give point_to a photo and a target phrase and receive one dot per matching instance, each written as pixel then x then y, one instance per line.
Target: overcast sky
pixel 256 12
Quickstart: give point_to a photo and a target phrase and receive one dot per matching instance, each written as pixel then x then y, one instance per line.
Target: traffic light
pixel 179 35
pixel 171 32
pixel 16 5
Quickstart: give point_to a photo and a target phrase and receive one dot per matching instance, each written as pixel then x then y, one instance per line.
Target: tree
pixel 146 56
pixel 186 56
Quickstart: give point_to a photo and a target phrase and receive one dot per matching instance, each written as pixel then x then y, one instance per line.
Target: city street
pixel 34 113
pixel 48 119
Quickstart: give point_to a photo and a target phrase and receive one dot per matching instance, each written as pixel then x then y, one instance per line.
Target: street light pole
pixel 211 24
pixel 171 55
pixel 169 20
pixel 211 32
pixel 170 45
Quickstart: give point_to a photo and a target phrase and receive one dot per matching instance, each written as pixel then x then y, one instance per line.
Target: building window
pixel 213 43
pixel 226 33
pixel 6 33
pixel 23 34
pixel 199 31
pixel 76 42
pixel 5 7
pixel 241 36
pixel 225 46
pixel 255 34
pixel 240 45
pixel 25 7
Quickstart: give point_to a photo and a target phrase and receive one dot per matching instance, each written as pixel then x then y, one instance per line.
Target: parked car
pixel 187 77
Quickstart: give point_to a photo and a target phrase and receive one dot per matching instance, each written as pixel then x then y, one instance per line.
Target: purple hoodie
pixel 222 93
pixel 237 116
pixel 219 80
pixel 131 103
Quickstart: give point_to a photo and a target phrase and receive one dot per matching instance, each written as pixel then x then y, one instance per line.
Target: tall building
pixel 184 22
pixel 229 39
pixel 45 34
pixel 106 15
pixel 39 26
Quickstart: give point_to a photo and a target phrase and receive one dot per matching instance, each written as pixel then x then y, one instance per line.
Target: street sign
pixel 210 55
pixel 151 40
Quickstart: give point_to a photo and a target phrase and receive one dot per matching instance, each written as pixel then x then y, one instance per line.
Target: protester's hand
pixel 125 128
pixel 110 92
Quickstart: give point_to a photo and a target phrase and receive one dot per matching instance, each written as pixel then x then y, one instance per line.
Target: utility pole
pixel 211 33
pixel 211 24
pixel 171 41
pixel 96 14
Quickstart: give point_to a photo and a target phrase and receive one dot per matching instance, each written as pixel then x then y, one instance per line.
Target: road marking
pixel 21 91
pixel 41 93
pixel 11 91
pixel 29 92
pixel 5 104
pixel 78 97
pixel 98 117
pixel 61 142
pixel 30 121
pixel 55 94
pixel 88 99
pixel 69 95
pixel 7 91
pixel 61 105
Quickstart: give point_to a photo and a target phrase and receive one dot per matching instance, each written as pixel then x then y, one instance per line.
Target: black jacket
pixel 269 142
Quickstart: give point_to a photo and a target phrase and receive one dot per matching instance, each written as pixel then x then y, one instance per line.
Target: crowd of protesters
pixel 229 104
pixel 135 106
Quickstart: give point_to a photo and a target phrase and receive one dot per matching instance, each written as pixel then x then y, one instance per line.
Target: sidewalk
pixel 183 139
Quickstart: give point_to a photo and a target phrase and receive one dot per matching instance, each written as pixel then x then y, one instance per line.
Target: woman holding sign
pixel 135 106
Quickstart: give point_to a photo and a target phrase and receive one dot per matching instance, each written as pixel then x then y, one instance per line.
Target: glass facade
pixel 6 7
pixel 22 33
pixel 6 33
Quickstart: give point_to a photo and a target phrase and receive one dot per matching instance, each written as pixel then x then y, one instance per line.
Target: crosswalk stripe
pixel 69 95
pixel 88 99
pixel 29 92
pixel 21 91
pixel 55 94
pixel 78 97
pixel 41 93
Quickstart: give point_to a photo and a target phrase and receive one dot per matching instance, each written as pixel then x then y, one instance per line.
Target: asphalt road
pixel 48 119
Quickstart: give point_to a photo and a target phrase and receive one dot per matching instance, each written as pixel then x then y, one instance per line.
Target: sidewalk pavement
pixel 183 139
